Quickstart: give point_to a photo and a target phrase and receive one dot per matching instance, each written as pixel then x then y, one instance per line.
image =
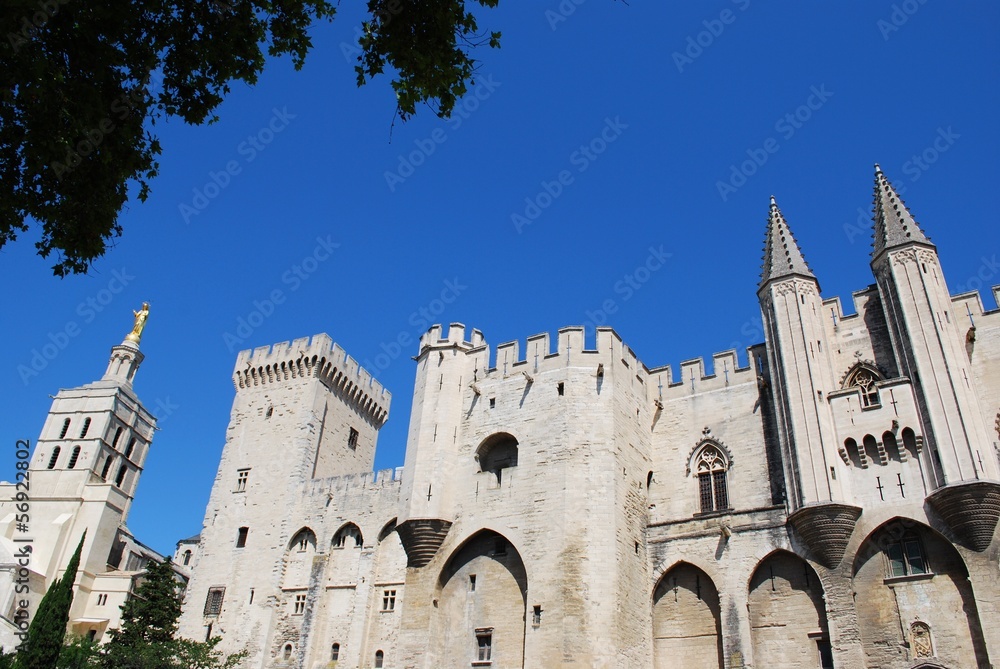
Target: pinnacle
pixel 894 225
pixel 782 255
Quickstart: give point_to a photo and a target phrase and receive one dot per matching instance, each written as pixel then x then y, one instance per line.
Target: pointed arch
pixel 865 376
pixel 905 572
pixel 492 562
pixel 386 530
pixel 302 541
pixel 496 453
pixel 687 628
pixel 709 463
pixel 788 622
pixel 348 536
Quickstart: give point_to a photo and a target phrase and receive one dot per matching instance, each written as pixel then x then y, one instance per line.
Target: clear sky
pixel 610 156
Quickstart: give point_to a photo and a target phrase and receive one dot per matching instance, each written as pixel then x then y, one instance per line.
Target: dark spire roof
pixel 894 225
pixel 782 256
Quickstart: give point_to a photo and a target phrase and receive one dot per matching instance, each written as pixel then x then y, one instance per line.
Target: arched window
pixel 121 476
pixel 335 652
pixel 86 427
pixel 379 659
pixel 287 653
pixel 711 467
pixel 864 377
pixel 348 535
pixel 74 457
pixel 187 557
pixel 65 428
pixel 130 447
pixel 107 468
pixel 905 556
pixel 303 540
pixel 118 435
pixel 55 456
pixel 497 453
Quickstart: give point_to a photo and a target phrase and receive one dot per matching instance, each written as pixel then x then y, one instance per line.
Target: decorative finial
pixel 773 203
pixel 140 324
pixel 878 170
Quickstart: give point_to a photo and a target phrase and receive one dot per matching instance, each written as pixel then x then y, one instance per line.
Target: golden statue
pixel 140 324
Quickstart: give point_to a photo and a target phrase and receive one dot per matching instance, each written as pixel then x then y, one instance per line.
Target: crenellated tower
pixel 930 350
pixel 801 371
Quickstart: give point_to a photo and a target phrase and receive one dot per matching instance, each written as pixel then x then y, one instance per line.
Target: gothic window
pixel 388 600
pixel 86 427
pixel 713 491
pixel 864 378
pixel 241 537
pixel 65 428
pixel 242 475
pixel 379 659
pixel 335 652
pixel 348 535
pixel 54 458
pixel 905 556
pixel 74 457
pixel 920 640
pixel 303 540
pixel 213 602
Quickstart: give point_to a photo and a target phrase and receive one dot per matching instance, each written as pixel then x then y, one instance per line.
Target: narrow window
pixel 118 435
pixel 561 388
pixel 92 635
pixel 379 659
pixel 300 604
pixel 251 596
pixel 270 412
pixel 352 439
pixel 130 447
pixel 493 403
pixel 335 652
pixel 536 615
pixel 74 457
pixel 107 468
pixel 241 537
pixel 287 654
pixel 121 476
pixel 388 600
pixel 484 645
pixel 713 491
pixel 213 602
pixel 241 479
pixel 65 428
pixel 208 632
pixel 472 582
pixel 55 456
pixel 86 427
pixel 187 558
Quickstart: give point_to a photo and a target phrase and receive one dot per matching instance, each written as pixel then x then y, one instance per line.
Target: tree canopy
pixel 82 85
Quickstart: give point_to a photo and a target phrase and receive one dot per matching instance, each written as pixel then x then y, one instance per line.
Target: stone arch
pixel 298 561
pixel 905 573
pixel 390 558
pixel 864 376
pixel 891 445
pixel 787 614
pixel 687 629
pixel 348 536
pixel 303 540
pixel 496 453
pixel 494 603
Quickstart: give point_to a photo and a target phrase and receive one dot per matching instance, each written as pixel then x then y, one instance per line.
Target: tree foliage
pixel 82 85
pixel 48 629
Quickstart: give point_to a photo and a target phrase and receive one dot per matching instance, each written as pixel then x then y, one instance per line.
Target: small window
pixel 472 582
pixel 335 652
pixel 349 535
pixel 130 447
pixel 242 475
pixel 86 428
pixel 92 635
pixel 379 659
pixel 287 653
pixel 120 479
pixel 54 458
pixel 484 645
pixel 65 428
pixel 74 457
pixel 388 600
pixel 241 537
pixel 213 602
pixel 107 468
pixel 102 599
pixel 300 604
pixel 187 557
pixel 500 547
pixel 561 388
pixel 352 439
pixel 905 557
pixel 270 412
pixel 118 435
pixel 536 615
pixel 251 596
pixel 493 403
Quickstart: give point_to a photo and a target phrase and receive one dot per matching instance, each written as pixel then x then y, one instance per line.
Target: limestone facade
pixel 832 504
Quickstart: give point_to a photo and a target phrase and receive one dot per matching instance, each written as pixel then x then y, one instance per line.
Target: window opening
pixel 241 537
pixel 213 602
pixel 86 428
pixel 54 458
pixel 388 600
pixel 65 428
pixel 74 457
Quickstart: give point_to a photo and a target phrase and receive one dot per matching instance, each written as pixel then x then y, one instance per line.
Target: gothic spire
pixel 782 256
pixel 894 225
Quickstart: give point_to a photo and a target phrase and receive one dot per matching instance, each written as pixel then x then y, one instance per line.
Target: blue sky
pixel 597 144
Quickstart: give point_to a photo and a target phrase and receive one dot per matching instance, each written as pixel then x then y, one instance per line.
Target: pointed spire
pixel 782 256
pixel 894 225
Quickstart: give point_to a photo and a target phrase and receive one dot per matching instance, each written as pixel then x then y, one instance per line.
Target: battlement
pixel 971 302
pixel 319 357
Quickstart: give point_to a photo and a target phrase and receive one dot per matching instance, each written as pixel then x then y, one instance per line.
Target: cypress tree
pixel 149 622
pixel 48 630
